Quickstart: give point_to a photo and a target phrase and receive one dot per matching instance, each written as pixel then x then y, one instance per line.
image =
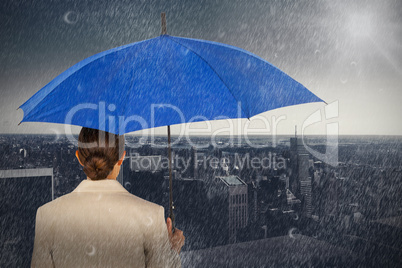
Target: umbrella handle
pixel 171 216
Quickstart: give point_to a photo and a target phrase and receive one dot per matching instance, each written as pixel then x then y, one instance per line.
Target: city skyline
pixel 307 202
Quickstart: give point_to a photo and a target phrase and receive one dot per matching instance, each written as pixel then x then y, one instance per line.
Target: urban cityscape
pixel 266 200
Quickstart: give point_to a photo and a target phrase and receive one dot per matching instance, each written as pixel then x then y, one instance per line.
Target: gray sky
pixel 345 51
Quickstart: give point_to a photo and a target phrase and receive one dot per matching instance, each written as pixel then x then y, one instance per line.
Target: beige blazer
pixel 100 224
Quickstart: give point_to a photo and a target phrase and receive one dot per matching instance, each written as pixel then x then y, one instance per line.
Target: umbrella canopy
pixel 164 81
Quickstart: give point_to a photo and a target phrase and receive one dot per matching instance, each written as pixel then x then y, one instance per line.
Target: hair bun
pixel 97 167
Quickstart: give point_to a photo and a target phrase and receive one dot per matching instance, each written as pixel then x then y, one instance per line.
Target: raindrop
pixel 111 107
pixel 110 209
pixel 184 51
pixel 317 52
pixel 71 17
pixel 150 221
pixel 57 137
pixel 127 185
pixel 272 10
pixel 111 12
pixel 343 80
pixel 90 250
pixel 353 64
pixel 221 34
pixel 292 232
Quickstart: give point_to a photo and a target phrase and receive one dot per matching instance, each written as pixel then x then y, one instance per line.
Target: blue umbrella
pixel 165 77
pixel 161 82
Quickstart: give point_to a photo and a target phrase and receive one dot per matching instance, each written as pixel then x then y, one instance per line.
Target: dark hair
pixel 99 151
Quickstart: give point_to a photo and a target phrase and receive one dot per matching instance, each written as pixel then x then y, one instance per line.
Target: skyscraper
pixel 305 191
pixel 300 177
pixel 237 204
pixel 22 191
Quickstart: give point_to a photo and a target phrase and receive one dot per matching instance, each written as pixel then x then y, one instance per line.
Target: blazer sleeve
pixel 158 252
pixel 42 254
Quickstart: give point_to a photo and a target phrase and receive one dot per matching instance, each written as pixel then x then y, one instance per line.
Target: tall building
pixel 254 202
pixel 293 183
pixel 192 168
pixel 194 162
pixel 300 177
pixel 305 191
pixel 22 191
pixel 201 165
pixel 18 180
pixel 237 204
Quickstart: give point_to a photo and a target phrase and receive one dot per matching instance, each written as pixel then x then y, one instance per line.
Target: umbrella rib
pixel 199 56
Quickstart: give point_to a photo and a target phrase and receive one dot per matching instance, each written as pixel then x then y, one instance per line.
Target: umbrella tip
pixel 164 28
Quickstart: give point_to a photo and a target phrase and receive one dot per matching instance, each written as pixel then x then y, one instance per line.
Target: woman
pixel 100 224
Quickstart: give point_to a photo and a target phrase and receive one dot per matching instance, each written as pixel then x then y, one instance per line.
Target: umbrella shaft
pixel 171 215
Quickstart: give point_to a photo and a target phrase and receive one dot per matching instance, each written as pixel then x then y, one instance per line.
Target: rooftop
pixel 393 221
pixel 232 180
pixel 283 251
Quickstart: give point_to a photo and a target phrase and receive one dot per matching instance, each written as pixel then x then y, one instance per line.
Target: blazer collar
pixel 105 185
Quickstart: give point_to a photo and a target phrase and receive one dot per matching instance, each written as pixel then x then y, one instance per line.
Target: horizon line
pixel 207 135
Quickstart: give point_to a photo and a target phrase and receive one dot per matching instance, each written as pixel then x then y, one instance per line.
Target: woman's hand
pixel 176 238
